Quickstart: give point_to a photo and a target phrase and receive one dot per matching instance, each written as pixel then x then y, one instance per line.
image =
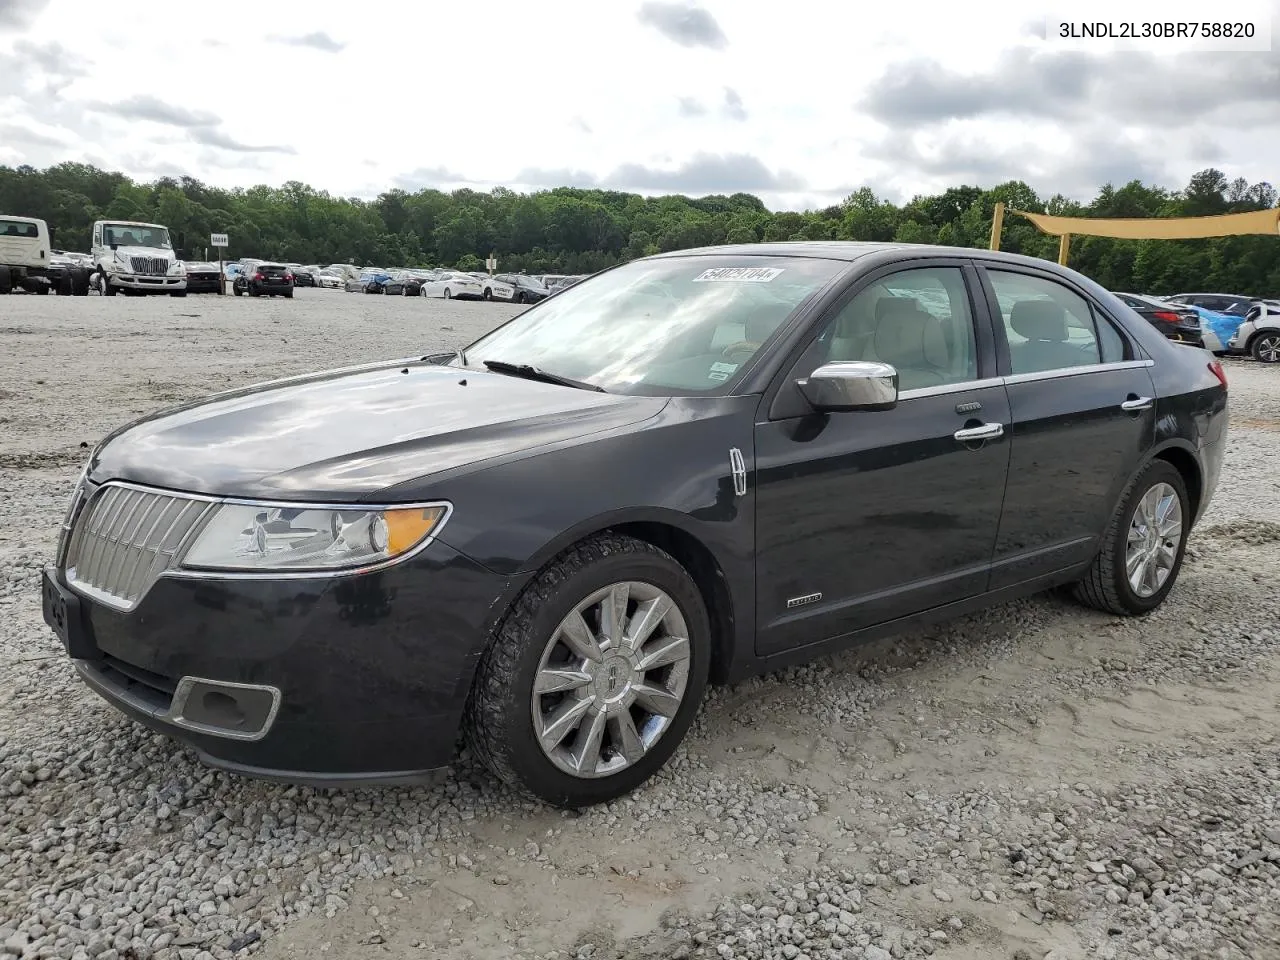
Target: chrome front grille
pixel 125 538
pixel 149 266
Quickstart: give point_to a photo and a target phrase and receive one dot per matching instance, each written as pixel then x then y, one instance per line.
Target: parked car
pixel 376 281
pixel 203 277
pixel 494 288
pixel 793 447
pixel 1220 315
pixel 1259 334
pixel 1181 324
pixel 302 277
pixel 453 285
pixel 266 280
pixel 525 289
pixel 563 283
pixel 329 281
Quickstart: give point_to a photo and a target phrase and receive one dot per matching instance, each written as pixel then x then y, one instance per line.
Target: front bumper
pixel 202 284
pixel 129 281
pixel 357 679
pixel 1238 339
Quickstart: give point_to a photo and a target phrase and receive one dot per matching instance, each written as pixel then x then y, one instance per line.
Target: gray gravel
pixel 1034 781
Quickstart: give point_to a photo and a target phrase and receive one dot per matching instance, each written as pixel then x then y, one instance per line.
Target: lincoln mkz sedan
pixel 688 469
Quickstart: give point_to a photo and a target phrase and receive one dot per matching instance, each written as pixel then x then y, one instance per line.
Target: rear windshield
pixel 274 270
pixel 19 228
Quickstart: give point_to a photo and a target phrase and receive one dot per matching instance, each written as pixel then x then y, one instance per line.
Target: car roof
pixel 850 250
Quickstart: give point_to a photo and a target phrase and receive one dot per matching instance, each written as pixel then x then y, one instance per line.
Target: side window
pixel 917 320
pixel 1048 326
pixel 1109 340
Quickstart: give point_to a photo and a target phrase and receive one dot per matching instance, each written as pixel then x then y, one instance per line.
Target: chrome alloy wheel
pixel 611 679
pixel 1267 348
pixel 1155 533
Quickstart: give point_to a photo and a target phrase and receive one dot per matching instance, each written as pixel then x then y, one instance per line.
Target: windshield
pixel 679 326
pixel 135 235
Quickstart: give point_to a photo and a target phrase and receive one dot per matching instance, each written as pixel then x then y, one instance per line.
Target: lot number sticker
pixel 740 274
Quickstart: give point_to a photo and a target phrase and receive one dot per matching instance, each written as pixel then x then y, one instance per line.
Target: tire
pixel 519 297
pixel 1107 586
pixel 66 286
pixel 236 290
pixel 6 281
pixel 43 290
pixel 500 724
pixel 488 293
pixel 80 285
pixel 107 289
pixel 1265 347
pixel 447 294
pixel 288 294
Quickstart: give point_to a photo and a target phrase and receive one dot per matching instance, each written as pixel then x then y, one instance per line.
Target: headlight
pixel 251 537
pixel 178 268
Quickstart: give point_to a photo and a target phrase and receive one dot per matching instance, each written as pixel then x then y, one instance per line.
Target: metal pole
pixel 997 223
pixel 1064 245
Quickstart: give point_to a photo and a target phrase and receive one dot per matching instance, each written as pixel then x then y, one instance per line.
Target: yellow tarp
pixel 1159 228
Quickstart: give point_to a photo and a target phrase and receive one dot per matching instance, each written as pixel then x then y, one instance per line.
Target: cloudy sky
pixel 799 102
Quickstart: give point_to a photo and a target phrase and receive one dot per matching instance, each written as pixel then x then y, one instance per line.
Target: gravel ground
pixel 1037 781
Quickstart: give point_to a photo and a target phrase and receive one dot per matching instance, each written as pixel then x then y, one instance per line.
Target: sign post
pixel 219 240
pixel 491 264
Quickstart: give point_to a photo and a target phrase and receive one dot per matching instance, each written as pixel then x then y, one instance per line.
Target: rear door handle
pixel 1137 403
pixel 988 431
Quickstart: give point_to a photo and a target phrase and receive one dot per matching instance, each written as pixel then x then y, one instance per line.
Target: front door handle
pixel 1137 403
pixel 988 431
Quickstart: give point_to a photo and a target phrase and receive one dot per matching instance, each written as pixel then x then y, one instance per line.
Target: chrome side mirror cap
pixel 851 385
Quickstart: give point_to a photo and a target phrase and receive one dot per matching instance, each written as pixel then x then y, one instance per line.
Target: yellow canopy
pixel 1159 228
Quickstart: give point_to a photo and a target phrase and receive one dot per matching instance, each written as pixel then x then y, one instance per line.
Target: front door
pixel 867 516
pixel 1083 408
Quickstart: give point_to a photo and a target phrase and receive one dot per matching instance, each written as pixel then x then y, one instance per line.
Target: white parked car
pixel 492 288
pixel 453 286
pixel 1259 335
pixel 329 281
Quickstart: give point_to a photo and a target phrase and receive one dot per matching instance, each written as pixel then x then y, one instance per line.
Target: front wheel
pixel 520 297
pixel 1142 547
pixel 1266 347
pixel 594 676
pixel 488 293
pixel 447 294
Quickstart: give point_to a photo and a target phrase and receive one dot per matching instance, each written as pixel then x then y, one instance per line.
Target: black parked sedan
pixel 687 469
pixel 203 278
pixel 1175 321
pixel 267 280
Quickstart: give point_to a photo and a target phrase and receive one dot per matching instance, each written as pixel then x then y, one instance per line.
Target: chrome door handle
pixel 1141 403
pixel 988 431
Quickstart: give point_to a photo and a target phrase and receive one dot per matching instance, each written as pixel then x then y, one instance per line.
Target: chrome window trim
pixel 182 693
pixel 1012 379
pixel 179 572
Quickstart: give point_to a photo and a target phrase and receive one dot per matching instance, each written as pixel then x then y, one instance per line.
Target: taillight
pixel 288 276
pixel 259 276
pixel 1216 369
pixel 1167 316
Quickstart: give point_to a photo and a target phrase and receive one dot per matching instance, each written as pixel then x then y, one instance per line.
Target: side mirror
pixel 851 385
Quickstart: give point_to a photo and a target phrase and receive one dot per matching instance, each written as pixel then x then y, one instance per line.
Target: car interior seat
pixel 1043 324
pixel 911 339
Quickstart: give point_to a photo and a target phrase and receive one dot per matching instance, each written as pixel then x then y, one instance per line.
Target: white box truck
pixel 27 262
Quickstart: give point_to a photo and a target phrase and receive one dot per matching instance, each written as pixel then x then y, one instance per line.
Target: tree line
pixel 569 230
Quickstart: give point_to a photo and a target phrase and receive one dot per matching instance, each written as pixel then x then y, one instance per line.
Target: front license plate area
pixel 65 616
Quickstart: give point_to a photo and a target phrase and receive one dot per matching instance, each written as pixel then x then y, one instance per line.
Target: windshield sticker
pixel 741 274
pixel 722 371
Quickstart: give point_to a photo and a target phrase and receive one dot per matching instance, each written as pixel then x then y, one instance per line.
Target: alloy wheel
pixel 1267 348
pixel 1155 533
pixel 611 679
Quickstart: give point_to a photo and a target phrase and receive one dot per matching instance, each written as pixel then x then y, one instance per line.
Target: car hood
pixel 131 251
pixel 345 435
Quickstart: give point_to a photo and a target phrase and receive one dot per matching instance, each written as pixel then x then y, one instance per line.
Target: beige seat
pixel 911 339
pixel 1043 324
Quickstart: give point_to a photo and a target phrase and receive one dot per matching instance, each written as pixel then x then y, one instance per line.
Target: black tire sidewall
pixel 1156 472
pixel 525 755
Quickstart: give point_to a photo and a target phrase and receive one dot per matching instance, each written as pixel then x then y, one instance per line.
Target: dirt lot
pixel 1036 781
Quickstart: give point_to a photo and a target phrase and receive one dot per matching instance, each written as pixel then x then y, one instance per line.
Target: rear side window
pixel 1049 326
pixel 19 228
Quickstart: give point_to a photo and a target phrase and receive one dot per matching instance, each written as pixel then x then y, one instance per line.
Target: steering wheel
pixel 740 351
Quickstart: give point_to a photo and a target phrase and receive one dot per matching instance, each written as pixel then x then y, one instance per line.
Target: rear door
pixel 1082 405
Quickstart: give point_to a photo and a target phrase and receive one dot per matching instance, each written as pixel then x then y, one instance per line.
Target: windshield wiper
pixel 530 372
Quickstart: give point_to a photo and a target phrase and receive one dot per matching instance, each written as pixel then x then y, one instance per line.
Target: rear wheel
pixel 447 294
pixel 594 676
pixel 488 293
pixel 1266 347
pixel 1143 546
pixel 520 297
pixel 289 294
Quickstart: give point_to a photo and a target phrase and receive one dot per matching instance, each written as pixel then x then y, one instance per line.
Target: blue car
pixel 1220 315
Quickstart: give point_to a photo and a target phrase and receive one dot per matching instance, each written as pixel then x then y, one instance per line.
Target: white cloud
pixel 799 104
